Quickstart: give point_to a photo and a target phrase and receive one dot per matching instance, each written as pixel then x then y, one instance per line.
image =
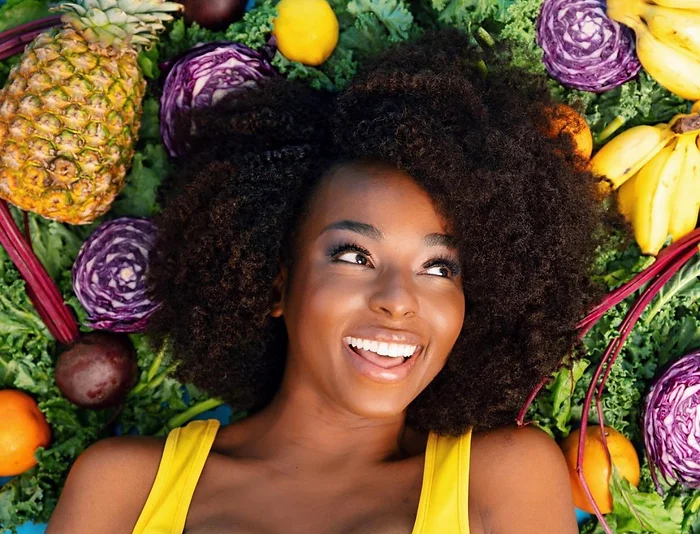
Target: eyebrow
pixel 440 240
pixel 372 232
pixel 364 229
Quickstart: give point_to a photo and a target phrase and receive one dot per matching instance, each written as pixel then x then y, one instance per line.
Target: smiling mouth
pixel 386 355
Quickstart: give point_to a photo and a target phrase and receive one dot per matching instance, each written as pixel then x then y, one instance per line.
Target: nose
pixel 394 295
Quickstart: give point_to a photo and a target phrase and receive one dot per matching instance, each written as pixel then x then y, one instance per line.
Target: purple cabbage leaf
pixel 583 48
pixel 202 77
pixel 672 424
pixel 109 275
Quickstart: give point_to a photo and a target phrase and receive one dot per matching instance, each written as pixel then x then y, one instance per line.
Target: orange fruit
pixel 23 429
pixel 565 119
pixel 596 465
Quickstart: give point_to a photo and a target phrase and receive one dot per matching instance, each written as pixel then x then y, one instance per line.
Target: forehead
pixel 379 195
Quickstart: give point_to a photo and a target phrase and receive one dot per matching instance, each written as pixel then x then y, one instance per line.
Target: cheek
pixel 446 317
pixel 320 301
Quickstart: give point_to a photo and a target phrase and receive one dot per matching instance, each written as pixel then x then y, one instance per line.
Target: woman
pixel 380 277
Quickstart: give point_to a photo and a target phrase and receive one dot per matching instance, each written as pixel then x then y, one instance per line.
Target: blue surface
pixel 581 516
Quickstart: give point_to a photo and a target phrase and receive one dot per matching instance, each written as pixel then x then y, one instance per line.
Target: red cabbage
pixel 583 48
pixel 109 275
pixel 202 77
pixel 672 424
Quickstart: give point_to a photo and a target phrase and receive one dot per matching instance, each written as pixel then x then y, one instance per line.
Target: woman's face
pixel 374 302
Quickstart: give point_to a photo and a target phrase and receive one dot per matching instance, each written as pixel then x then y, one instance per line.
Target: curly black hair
pixel 526 214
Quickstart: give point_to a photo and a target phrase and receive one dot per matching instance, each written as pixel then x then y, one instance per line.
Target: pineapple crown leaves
pixel 118 22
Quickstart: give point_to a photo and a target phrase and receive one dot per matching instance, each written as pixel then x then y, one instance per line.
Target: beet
pixel 214 15
pixel 98 371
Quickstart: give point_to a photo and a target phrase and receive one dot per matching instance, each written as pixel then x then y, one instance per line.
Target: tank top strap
pixel 186 451
pixel 444 500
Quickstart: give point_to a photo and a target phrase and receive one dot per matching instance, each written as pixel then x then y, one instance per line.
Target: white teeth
pixel 393 350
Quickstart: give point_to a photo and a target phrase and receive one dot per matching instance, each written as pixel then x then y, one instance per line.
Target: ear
pixel 279 287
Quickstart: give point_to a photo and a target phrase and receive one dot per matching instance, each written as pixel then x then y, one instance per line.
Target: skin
pixel 332 452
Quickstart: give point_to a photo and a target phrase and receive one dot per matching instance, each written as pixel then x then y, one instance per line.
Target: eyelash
pixel 451 264
pixel 348 247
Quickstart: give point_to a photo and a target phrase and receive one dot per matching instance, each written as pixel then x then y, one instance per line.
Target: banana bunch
pixel 668 40
pixel 656 171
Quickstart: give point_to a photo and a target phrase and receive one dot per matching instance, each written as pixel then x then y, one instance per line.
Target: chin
pixel 375 404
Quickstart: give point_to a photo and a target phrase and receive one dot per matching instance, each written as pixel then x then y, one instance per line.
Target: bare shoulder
pixel 514 442
pixel 108 486
pixel 521 454
pixel 519 478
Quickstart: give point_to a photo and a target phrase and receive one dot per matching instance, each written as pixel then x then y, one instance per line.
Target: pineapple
pixel 71 109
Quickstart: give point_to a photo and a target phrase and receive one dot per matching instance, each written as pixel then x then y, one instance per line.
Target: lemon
pixel 306 30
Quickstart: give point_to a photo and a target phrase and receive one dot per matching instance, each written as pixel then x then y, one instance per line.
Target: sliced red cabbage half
pixel 583 48
pixel 109 275
pixel 200 78
pixel 672 424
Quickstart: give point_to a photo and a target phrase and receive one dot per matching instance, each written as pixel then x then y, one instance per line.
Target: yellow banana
pixel 685 201
pixel 674 68
pixel 680 27
pixel 620 10
pixel 627 198
pixel 654 188
pixel 622 157
pixel 680 4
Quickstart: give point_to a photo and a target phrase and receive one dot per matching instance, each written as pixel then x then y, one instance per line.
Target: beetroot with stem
pixel 98 370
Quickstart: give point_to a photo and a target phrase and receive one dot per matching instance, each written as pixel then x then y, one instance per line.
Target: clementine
pixel 596 465
pixel 565 119
pixel 23 430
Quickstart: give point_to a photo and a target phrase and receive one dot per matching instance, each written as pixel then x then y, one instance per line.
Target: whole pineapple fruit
pixel 71 109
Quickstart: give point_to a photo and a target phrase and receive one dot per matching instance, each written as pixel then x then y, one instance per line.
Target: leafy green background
pixel 668 329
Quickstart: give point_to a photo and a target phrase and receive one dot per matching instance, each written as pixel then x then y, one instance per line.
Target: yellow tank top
pixel 443 506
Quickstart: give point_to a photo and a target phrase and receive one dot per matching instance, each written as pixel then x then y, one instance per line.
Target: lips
pixel 383 355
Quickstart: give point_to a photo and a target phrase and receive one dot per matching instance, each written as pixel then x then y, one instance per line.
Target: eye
pixel 439 270
pixel 353 257
pixel 350 253
pixel 442 267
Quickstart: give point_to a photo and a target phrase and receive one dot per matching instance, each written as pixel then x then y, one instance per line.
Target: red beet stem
pixel 667 256
pixel 41 289
pixel 17 44
pixel 581 441
pixel 32 26
pixel 533 394
pixel 14 40
pixel 27 232
pixel 4 54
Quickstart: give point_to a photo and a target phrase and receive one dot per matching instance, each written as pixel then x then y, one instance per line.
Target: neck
pixel 302 429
